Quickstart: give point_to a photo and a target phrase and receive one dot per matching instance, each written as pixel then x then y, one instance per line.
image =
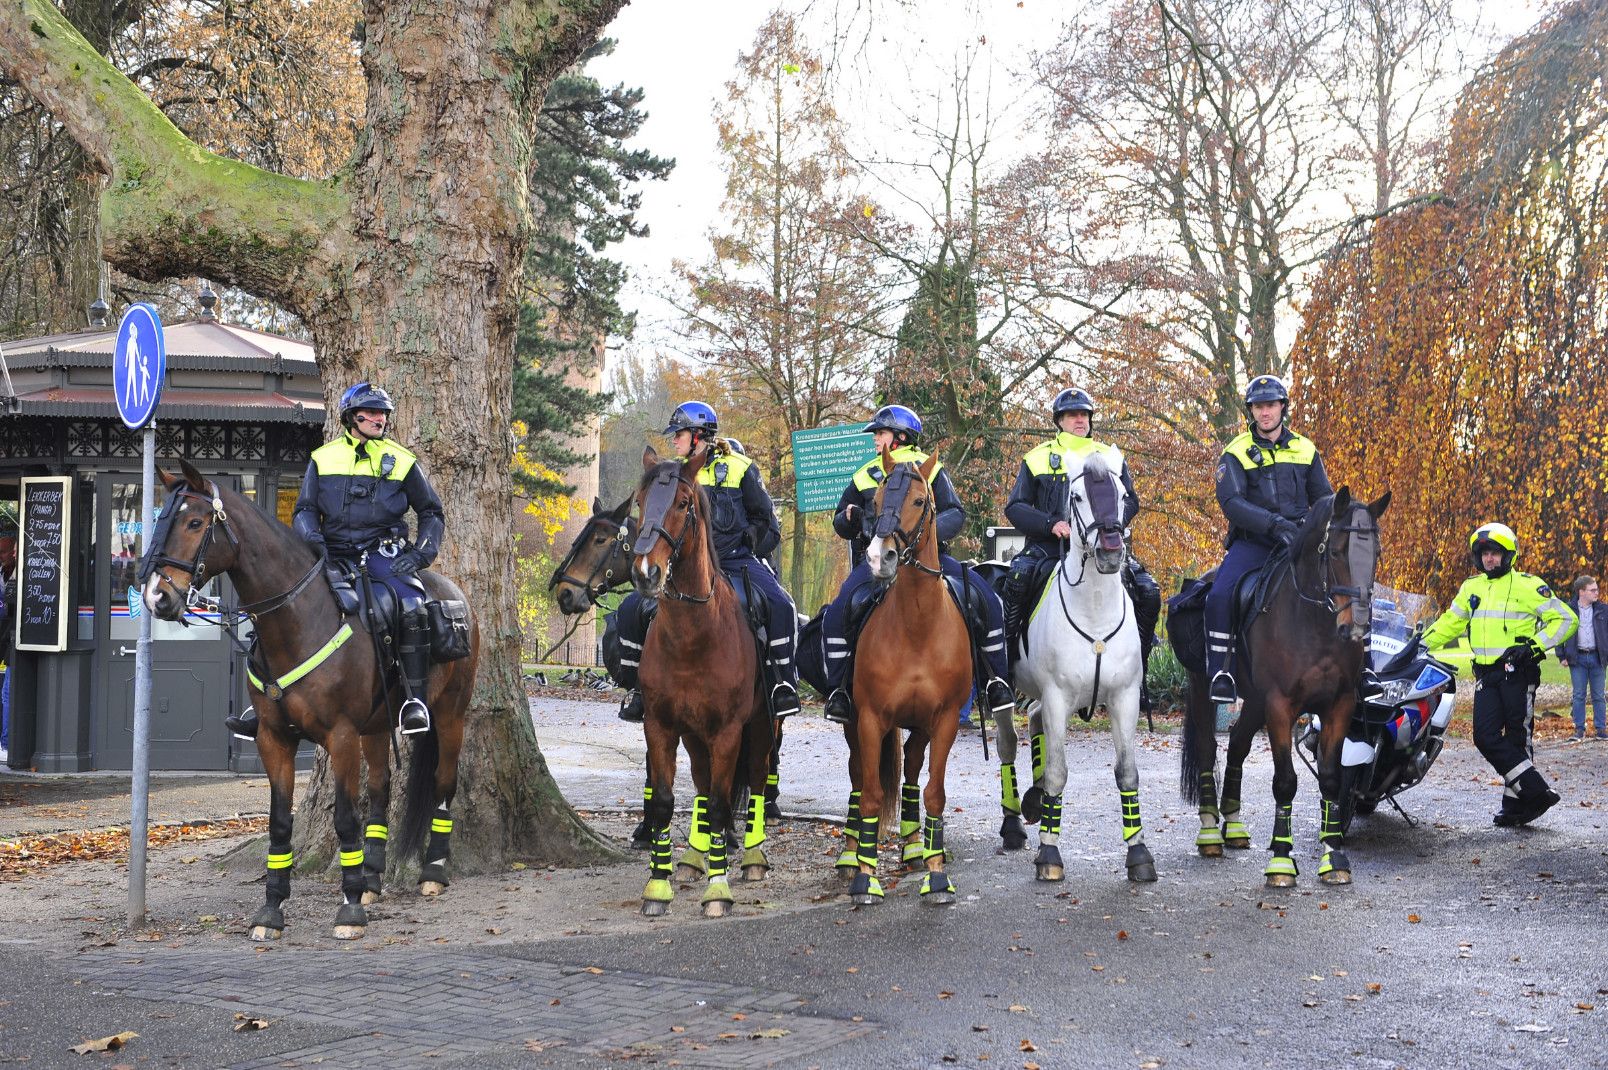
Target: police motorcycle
pixel 1406 701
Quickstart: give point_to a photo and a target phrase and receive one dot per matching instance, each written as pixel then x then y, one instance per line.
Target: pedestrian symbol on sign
pixel 138 365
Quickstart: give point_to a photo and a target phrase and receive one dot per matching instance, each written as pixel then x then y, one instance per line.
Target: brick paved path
pixel 429 1008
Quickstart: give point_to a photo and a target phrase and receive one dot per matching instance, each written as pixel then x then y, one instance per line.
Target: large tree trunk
pixel 406 267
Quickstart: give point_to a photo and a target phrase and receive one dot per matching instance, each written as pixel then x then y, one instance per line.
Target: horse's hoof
pixel 655 908
pixel 1033 805
pixel 431 888
pixel 772 811
pixel 262 933
pixel 716 900
pixel 911 855
pixel 1337 876
pixel 847 872
pixel 716 908
pixel 1047 864
pixel 1210 850
pixel 1236 836
pixel 1144 872
pixel 691 866
pixel 370 897
pixel 1237 844
pixel 755 873
pixel 350 932
pixel 866 890
pixel 1280 880
pixel 1012 834
pixel 936 891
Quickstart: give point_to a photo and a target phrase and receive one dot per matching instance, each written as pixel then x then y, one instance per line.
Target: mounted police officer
pixel 1512 619
pixel 1039 508
pixel 1267 481
pixel 353 504
pixel 896 427
pixel 746 531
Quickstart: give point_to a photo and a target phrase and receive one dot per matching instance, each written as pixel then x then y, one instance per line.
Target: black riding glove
pixel 407 563
pixel 1524 654
pixel 753 535
pixel 1284 531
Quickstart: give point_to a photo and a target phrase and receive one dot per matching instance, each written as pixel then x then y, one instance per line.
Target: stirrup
pixel 784 699
pixel 1001 699
pixel 244 725
pixel 839 707
pixel 415 717
pixel 1222 689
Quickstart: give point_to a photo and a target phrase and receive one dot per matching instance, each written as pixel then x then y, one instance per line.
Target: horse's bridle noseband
pixel 657 529
pixel 909 542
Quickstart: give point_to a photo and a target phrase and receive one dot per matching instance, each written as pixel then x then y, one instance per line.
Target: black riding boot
pixel 243 725
pixel 839 707
pixel 631 707
pixel 413 658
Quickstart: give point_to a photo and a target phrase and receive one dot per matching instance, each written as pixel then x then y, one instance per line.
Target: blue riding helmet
pixel 736 446
pixel 693 416
pixel 363 396
pixel 1072 400
pixel 895 418
pixel 1267 388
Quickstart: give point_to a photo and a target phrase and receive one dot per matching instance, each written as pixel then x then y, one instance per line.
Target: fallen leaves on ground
pixel 245 1023
pixel 23 858
pixel 111 1043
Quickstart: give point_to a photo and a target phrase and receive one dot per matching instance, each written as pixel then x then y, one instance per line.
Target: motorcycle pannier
pixel 449 630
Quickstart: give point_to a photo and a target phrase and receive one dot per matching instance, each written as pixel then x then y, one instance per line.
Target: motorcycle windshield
pixel 1396 618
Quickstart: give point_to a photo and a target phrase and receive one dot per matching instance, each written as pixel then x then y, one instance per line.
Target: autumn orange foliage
pixel 1454 353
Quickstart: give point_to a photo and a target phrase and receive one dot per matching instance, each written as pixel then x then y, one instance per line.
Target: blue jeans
pixel 837 651
pixel 1587 670
pixel 1243 556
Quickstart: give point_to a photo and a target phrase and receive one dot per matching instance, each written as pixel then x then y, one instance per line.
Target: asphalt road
pixel 1459 945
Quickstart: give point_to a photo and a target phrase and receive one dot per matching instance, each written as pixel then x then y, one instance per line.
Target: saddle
pixel 1186 610
pixel 380 612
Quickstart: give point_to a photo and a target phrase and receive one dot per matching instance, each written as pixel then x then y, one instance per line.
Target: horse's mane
pixel 284 535
pixel 1317 518
pixel 705 512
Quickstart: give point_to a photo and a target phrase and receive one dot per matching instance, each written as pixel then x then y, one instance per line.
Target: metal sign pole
pixel 140 792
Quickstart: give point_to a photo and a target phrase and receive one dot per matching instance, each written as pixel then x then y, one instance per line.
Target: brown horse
pixel 913 669
pixel 313 674
pixel 1305 655
pixel 701 686
pixel 599 559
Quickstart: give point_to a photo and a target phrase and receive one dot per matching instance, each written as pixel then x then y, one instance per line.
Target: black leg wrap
pixel 1049 854
pixel 1013 833
pixel 440 848
pixel 351 913
pixel 269 916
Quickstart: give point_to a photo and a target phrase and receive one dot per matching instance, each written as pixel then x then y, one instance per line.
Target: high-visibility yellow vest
pixel 864 479
pixel 1498 613
pixel 1066 452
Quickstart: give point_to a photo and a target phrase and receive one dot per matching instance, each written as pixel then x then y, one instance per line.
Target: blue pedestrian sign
pixel 139 364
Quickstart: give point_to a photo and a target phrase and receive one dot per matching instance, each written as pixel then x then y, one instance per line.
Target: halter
pixel 659 502
pixel 622 541
pixel 909 542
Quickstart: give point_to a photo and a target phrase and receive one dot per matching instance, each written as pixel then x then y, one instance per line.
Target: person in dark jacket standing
pixel 1585 653
pixel 898 429
pixel 746 531
pixel 1039 507
pixel 1267 481
pixel 353 505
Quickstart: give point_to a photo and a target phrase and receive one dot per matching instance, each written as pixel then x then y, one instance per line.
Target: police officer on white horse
pixel 1039 507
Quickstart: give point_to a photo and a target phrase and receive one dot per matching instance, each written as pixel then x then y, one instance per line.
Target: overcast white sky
pixel 682 53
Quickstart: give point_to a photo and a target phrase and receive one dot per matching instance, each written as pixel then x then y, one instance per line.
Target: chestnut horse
pixel 1303 653
pixel 913 669
pixel 313 674
pixel 701 686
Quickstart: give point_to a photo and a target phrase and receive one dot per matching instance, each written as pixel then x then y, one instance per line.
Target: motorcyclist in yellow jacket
pixel 1512 619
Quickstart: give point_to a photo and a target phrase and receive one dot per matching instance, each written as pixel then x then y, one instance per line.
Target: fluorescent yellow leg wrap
pixel 754 834
pixel 659 891
pixel 1007 790
pixel 698 833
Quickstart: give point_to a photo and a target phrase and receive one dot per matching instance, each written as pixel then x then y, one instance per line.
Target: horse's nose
pixel 567 598
pixel 647 577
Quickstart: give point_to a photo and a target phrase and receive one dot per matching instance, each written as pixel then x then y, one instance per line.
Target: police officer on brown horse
pixel 353 503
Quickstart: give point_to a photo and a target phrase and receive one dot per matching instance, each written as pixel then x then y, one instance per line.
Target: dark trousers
pixel 1504 716
pixel 1244 556
pixel 832 624
pixel 781 621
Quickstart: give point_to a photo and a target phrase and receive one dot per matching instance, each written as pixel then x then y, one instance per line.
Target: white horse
pixel 1082 652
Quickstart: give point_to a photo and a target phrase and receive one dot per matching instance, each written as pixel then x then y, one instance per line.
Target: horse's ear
pixel 1342 501
pixel 927 468
pixel 623 510
pixel 168 481
pixel 597 505
pixel 1377 507
pixel 887 460
pixel 192 476
pixel 650 459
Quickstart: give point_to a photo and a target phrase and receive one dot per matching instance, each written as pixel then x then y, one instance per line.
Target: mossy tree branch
pixel 171 208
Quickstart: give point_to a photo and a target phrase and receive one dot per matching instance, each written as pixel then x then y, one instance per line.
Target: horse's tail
pixel 1196 710
pixel 890 771
pixel 420 793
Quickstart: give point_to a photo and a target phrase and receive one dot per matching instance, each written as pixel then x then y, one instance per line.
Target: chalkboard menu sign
pixel 42 560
